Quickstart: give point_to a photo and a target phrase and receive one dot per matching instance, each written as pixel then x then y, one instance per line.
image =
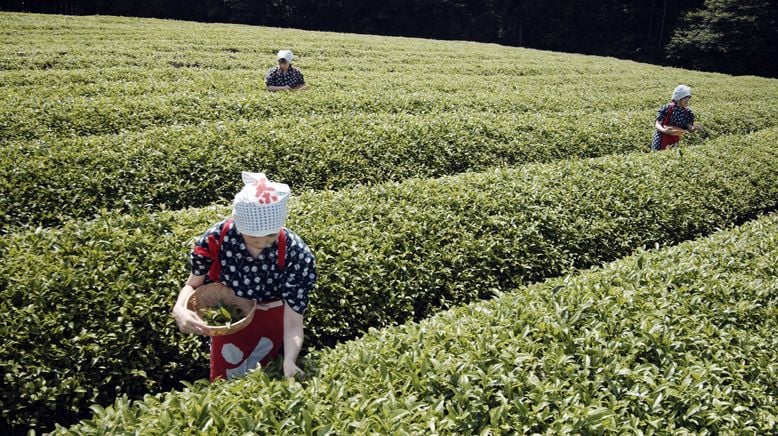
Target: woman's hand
pixel 293 340
pixel 669 130
pixel 188 321
pixel 675 131
pixel 291 370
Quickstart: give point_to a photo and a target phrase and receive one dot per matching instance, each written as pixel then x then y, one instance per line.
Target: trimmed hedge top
pixel 136 115
pixel 680 340
pixel 385 254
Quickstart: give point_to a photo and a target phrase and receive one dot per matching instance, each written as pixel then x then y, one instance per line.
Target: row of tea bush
pixel 141 115
pixel 679 340
pixel 88 305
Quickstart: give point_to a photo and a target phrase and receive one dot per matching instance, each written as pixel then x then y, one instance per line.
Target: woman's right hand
pixel 188 321
pixel 674 131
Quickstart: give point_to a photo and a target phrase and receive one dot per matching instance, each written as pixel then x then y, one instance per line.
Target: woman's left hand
pixel 291 370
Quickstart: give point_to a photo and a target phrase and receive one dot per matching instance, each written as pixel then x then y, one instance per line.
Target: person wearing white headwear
pixel 252 253
pixel 285 77
pixel 674 120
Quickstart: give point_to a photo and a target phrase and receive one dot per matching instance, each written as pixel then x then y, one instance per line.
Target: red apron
pixel 260 341
pixel 666 141
pixel 257 344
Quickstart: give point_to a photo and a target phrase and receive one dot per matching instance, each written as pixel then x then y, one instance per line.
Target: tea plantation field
pixel 680 340
pixel 428 175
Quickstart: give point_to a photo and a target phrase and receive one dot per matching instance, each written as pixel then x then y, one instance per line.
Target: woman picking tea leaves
pixel 253 254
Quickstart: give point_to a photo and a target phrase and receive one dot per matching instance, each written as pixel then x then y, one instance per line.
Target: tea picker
pixel 252 262
pixel 285 77
pixel 674 120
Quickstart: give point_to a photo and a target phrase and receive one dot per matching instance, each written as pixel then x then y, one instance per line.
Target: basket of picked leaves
pixel 219 307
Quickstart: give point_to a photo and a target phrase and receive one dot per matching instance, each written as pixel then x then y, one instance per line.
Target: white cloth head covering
pixel 681 91
pixel 285 54
pixel 260 207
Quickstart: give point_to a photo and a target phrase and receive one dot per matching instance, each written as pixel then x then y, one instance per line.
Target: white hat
pixel 260 207
pixel 285 54
pixel 681 91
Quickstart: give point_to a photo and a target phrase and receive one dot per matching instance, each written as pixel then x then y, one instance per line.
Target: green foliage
pixel 679 340
pixel 743 33
pixel 168 121
pixel 623 28
pixel 386 254
pixel 120 120
pixel 221 314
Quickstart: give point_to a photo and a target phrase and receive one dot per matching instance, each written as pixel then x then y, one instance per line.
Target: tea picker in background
pixel 674 120
pixel 285 77
pixel 253 254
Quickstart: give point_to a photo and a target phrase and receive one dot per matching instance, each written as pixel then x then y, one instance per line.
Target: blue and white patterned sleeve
pixel 300 272
pixel 691 119
pixel 269 77
pixel 660 116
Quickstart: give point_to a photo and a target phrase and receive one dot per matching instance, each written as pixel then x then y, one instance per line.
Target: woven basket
pixel 210 295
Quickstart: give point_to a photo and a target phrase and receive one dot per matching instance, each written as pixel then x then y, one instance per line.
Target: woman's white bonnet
pixel 681 91
pixel 285 54
pixel 260 208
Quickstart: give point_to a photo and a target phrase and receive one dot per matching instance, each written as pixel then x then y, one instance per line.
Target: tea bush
pixel 144 115
pixel 87 306
pixel 118 120
pixel 49 182
pixel 678 340
pixel 179 167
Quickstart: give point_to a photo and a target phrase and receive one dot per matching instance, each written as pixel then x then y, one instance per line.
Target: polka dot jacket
pixel 681 117
pixel 292 77
pixel 259 278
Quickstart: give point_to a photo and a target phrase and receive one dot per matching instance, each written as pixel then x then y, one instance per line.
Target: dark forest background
pixel 730 36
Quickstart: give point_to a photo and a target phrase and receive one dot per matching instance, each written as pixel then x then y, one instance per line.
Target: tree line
pixel 731 36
